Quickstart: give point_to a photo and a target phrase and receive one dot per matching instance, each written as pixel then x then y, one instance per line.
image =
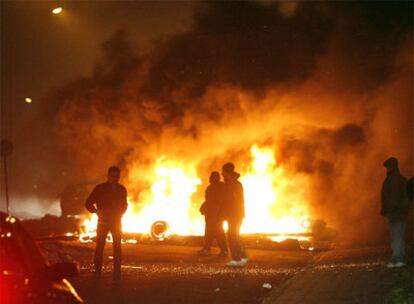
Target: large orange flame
pixel 274 204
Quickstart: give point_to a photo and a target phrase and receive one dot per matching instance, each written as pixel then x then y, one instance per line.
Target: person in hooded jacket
pixel 212 211
pixel 394 206
pixel 233 212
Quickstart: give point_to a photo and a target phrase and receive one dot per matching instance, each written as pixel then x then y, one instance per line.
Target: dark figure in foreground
pixel 212 210
pixel 394 206
pixel 410 188
pixel 410 193
pixel 109 201
pixel 233 213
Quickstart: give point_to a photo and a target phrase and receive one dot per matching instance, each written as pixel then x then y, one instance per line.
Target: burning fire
pixel 273 203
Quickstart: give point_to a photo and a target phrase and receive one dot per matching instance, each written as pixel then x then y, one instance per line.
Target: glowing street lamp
pixel 57 10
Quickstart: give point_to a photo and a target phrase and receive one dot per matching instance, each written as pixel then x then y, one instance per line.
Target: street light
pixel 57 10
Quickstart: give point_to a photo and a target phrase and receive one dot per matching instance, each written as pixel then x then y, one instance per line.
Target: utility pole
pixel 6 150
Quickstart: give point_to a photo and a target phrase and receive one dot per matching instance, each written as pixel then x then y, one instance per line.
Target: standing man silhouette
pixel 212 210
pixel 109 201
pixel 233 212
pixel 394 206
pixel 410 193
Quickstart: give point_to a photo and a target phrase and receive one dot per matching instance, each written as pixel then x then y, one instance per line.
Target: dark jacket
pixel 410 189
pixel 213 203
pixel 233 199
pixel 108 200
pixel 394 200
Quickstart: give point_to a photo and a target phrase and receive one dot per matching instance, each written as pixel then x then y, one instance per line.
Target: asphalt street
pixel 176 274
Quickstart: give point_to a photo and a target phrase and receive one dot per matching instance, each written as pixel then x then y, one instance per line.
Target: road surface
pixel 175 274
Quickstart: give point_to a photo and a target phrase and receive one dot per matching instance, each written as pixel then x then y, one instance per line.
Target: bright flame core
pixel 57 10
pixel 169 200
pixel 274 203
pixel 270 208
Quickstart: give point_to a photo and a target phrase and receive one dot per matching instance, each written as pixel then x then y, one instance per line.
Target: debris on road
pixel 267 286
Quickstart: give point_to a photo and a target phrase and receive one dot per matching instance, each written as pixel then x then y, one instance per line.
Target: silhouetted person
pixel 394 206
pixel 233 212
pixel 410 188
pixel 109 201
pixel 212 210
pixel 410 193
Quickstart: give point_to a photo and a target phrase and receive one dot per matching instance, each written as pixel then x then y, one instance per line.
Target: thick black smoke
pixel 328 83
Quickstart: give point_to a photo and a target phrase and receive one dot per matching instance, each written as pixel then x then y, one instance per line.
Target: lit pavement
pixel 340 276
pixel 175 274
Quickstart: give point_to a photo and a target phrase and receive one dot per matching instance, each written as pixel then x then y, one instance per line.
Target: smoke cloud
pixel 328 85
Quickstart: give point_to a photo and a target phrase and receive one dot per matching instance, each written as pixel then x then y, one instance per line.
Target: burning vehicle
pixel 276 210
pixel 72 199
pixel 166 209
pixel 25 276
